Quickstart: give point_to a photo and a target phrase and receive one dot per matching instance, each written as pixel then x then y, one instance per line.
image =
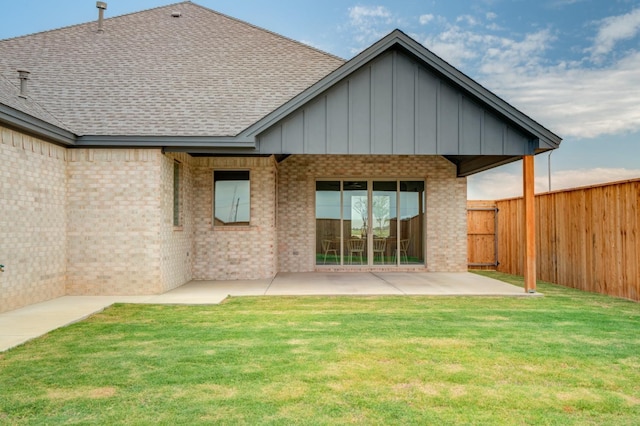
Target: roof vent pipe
pixel 23 76
pixel 102 6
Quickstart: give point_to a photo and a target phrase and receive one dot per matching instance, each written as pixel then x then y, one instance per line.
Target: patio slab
pixel 211 292
pixel 330 283
pixel 21 325
pixel 450 284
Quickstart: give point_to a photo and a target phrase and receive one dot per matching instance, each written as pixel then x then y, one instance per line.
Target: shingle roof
pixel 9 96
pixel 151 74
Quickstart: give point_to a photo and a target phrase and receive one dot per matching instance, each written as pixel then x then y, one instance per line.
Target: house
pixel 143 151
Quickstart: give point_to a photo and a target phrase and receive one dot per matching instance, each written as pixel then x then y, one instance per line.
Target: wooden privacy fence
pixel 587 238
pixel 482 241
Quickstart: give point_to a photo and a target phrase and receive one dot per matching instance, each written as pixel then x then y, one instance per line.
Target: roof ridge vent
pixel 23 75
pixel 102 6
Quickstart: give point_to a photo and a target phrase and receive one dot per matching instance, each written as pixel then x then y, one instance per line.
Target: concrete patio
pixel 21 325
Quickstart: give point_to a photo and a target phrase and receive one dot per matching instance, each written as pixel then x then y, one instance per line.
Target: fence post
pixel 529 224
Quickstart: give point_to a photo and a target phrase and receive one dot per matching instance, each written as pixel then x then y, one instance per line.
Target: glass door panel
pixel 328 236
pixel 355 214
pixel 383 221
pixel 410 248
pixel 360 222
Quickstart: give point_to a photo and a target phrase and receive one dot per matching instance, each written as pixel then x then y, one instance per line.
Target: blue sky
pixel 572 65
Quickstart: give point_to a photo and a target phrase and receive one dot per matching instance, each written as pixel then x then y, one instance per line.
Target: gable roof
pixel 470 126
pixel 398 39
pixel 152 74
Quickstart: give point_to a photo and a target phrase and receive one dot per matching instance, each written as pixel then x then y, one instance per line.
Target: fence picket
pixel 587 238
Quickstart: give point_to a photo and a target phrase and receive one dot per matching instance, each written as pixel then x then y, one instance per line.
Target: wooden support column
pixel 529 224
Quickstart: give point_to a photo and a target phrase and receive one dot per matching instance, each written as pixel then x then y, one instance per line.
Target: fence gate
pixel 482 235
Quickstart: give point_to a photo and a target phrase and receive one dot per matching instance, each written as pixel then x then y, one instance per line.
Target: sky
pixel 571 65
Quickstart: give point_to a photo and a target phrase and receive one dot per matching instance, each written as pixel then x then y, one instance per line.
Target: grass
pixel 566 358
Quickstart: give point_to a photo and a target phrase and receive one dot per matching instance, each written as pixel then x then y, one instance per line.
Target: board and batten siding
pixel 393 105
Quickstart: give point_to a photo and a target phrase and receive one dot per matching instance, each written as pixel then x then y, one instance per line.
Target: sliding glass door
pixel 410 248
pixel 328 223
pixel 383 219
pixel 355 213
pixel 370 222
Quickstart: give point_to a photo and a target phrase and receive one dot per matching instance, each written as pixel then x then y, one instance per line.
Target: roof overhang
pixel 467 165
pixel 34 126
pixel 195 144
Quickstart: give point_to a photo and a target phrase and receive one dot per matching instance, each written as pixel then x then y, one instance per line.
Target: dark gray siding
pixel 393 105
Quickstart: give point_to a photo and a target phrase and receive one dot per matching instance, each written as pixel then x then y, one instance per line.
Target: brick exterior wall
pixel 232 253
pixel 32 220
pixel 114 221
pixel 121 236
pixel 177 243
pixel 100 221
pixel 446 230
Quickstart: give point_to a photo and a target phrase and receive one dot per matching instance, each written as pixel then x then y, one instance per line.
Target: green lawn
pixel 566 358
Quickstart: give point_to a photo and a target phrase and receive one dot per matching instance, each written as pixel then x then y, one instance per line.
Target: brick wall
pixel 114 221
pixel 32 220
pixel 446 231
pixel 232 253
pixel 177 243
pixel 100 221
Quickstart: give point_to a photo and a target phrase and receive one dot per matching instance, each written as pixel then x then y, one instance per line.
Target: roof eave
pixel 35 126
pixel 173 143
pixel 470 165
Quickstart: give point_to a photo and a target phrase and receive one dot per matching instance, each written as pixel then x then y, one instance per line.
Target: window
pixel 232 196
pixel 176 194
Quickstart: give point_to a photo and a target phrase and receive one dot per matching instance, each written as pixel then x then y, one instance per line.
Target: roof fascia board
pixel 428 57
pixel 232 142
pixel 35 126
pixel 213 150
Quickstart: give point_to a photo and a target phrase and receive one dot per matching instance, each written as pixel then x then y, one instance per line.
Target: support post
pixel 529 224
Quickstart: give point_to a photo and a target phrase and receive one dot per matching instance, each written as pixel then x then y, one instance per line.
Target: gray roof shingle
pixel 151 74
pixel 9 96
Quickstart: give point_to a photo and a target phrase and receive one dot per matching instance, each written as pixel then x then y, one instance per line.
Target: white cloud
pixel 583 177
pixel 425 19
pixel 496 184
pixel 456 45
pixel 468 19
pixel 494 54
pixel 491 16
pixel 506 54
pixel 613 30
pixel 574 101
pixel 362 13
pixel 370 23
pixel 562 3
pixel 569 98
